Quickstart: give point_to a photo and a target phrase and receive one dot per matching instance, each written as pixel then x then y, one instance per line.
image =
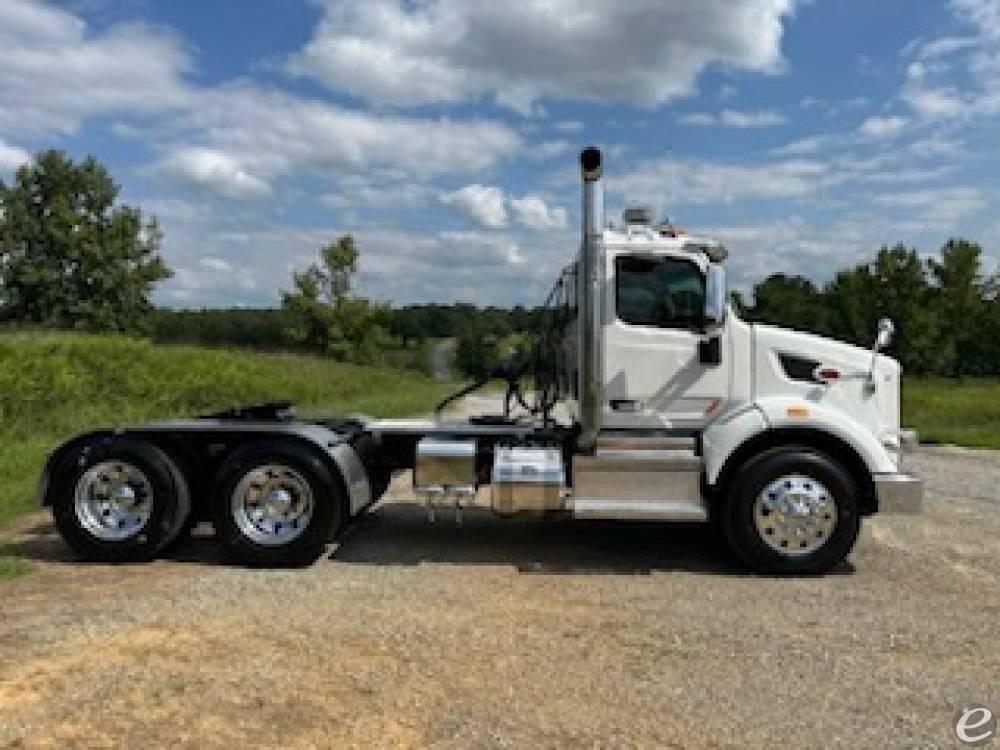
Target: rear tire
pixel 276 504
pixel 119 499
pixel 792 510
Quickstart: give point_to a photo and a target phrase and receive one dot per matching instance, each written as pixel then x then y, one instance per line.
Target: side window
pixel 660 292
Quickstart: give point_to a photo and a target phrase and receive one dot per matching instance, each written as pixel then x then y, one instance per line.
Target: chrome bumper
pixel 899 493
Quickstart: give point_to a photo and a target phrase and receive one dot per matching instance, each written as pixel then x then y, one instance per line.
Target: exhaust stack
pixel 590 279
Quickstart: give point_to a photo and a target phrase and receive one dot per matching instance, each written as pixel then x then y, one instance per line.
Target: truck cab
pixel 664 374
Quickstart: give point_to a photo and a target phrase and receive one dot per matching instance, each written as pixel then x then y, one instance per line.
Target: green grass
pixel 55 385
pixel 963 412
pixel 13 566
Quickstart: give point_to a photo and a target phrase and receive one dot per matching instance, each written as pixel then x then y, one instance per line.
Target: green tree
pixel 477 350
pixel 70 255
pixel 328 319
pixel 987 338
pixel 895 285
pixel 791 301
pixel 959 296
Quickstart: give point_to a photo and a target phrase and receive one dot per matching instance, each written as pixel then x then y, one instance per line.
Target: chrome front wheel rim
pixel 795 515
pixel 272 505
pixel 113 501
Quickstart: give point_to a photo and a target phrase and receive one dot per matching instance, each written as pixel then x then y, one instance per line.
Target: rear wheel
pixel 792 510
pixel 119 500
pixel 275 504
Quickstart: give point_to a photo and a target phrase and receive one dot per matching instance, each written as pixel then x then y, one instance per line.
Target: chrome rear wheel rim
pixel 272 505
pixel 795 515
pixel 113 501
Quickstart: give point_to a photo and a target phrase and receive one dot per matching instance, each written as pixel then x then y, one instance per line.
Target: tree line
pixel 73 257
pixel 946 311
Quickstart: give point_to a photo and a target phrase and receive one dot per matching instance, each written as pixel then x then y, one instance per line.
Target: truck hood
pixel 782 366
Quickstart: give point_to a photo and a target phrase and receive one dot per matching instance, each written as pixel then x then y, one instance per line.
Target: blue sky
pixel 443 133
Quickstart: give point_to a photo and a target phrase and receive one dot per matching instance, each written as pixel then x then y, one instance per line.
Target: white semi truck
pixel 653 402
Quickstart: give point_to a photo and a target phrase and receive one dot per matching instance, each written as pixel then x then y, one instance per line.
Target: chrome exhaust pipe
pixel 590 281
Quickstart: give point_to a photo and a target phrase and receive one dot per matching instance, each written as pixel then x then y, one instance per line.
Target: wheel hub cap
pixel 272 504
pixel 795 515
pixel 113 500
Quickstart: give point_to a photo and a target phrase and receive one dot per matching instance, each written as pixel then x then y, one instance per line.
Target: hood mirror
pixel 886 330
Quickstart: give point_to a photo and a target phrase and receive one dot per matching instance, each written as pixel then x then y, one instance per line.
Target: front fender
pixel 725 436
pixel 721 438
pixel 792 412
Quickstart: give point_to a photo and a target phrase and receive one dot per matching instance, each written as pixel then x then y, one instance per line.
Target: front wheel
pixel 792 510
pixel 275 504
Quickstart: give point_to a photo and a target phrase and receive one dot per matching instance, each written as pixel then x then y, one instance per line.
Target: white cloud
pixel 550 149
pixel 807 145
pixel 484 203
pixel 945 46
pixel 400 52
pixel 216 170
pixel 763 118
pixel 883 127
pixel 937 146
pixel 699 118
pixel 958 77
pixel 54 72
pixel 355 191
pixel 255 135
pixel 488 206
pixel 690 181
pixel 12 157
pixel 732 118
pixel 936 103
pixel 937 206
pixel 216 264
pixel 568 126
pixel 534 213
pixel 984 14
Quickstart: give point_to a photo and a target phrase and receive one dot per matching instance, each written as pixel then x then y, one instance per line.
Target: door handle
pixel 624 404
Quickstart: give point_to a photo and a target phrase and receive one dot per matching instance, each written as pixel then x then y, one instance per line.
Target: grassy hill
pixel 54 385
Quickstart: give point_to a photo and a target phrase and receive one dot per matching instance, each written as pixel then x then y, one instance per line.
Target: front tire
pixel 276 504
pixel 119 499
pixel 792 510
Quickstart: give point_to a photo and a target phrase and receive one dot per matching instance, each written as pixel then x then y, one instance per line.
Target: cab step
pixel 659 481
pixel 641 443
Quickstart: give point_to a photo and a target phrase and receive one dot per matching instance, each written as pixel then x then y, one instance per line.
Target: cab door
pixel 655 375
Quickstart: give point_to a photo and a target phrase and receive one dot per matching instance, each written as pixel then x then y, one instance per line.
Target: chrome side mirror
pixel 886 330
pixel 716 295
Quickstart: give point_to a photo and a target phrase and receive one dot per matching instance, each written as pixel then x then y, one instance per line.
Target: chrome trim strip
pixel 638 510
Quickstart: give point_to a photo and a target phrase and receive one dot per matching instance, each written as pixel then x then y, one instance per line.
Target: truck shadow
pixel 400 534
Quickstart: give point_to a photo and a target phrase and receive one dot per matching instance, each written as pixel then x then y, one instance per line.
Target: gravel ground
pixel 516 633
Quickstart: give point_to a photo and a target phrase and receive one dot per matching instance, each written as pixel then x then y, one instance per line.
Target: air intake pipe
pixel 590 282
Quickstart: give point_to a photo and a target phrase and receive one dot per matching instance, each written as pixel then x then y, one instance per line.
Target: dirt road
pixel 520 633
